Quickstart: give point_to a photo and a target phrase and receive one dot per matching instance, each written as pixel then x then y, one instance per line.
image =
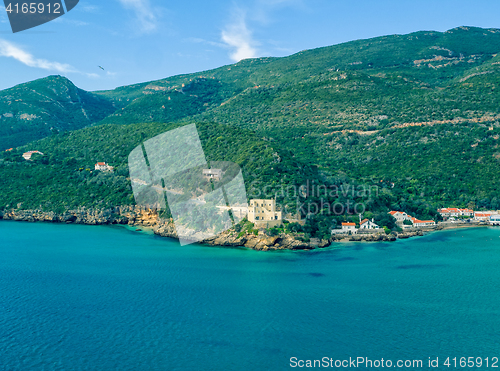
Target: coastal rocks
pixel 165 228
pixel 226 240
pixel 410 234
pixel 230 238
pixel 372 237
pixel 141 217
pixel 79 216
pixel 377 237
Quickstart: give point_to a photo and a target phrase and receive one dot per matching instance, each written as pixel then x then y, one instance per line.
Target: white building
pixel 215 174
pixel 368 224
pixel 483 215
pixel 495 219
pixel 102 166
pixel 422 223
pixel 27 155
pixel 349 228
pixel 239 212
pixel 453 211
pixel 400 216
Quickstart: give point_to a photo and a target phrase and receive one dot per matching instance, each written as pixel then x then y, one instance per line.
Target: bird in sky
pixel 101 68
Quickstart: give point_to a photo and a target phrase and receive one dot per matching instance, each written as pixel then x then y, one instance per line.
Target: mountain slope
pixel 421 111
pixel 35 109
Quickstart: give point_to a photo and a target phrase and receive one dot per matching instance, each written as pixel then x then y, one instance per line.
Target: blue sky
pixel 142 40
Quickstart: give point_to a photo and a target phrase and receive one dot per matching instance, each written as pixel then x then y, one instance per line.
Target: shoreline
pixel 148 221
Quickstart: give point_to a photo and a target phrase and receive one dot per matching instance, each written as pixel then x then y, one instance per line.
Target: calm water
pixel 105 298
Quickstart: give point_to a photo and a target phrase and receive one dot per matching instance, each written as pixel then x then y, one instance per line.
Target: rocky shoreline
pixel 140 217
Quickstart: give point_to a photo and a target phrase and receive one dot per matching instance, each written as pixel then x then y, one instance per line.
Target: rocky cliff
pixel 136 216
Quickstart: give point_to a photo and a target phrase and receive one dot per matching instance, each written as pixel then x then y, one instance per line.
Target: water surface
pixel 103 298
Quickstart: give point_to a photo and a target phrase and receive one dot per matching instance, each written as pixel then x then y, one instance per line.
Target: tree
pixel 385 219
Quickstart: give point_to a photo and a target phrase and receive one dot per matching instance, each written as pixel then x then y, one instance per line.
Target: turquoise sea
pixel 106 298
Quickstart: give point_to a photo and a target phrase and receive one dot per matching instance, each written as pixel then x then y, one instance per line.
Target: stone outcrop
pixel 137 216
pixel 166 228
pixel 369 237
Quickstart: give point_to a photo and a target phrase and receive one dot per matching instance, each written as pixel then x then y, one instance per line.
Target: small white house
pixel 482 216
pixel 27 155
pixel 102 166
pixel 215 174
pixel 423 223
pixel 495 219
pixel 452 211
pixel 349 228
pixel 400 216
pixel 368 224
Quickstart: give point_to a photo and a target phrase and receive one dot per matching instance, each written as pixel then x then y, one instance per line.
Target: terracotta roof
pixel 416 221
pixel 364 221
pixel 393 212
pixel 101 163
pixel 348 224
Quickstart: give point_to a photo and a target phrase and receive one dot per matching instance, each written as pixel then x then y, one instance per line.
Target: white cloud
pixel 237 36
pixel 10 50
pixel 145 14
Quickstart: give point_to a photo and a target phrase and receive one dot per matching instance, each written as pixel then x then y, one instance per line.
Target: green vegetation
pixel 39 108
pixel 402 122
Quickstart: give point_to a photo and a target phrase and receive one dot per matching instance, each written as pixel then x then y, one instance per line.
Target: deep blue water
pixel 105 298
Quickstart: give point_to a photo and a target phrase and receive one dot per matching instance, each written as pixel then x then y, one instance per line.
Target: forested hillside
pixel 414 116
pixel 420 110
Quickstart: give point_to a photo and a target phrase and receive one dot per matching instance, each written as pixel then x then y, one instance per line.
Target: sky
pixel 144 40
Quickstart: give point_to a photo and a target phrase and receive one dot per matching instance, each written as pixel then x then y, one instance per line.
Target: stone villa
pixel 263 213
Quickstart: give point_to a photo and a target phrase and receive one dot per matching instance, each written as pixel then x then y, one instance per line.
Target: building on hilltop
pixel 27 155
pixel 102 166
pixel 263 213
